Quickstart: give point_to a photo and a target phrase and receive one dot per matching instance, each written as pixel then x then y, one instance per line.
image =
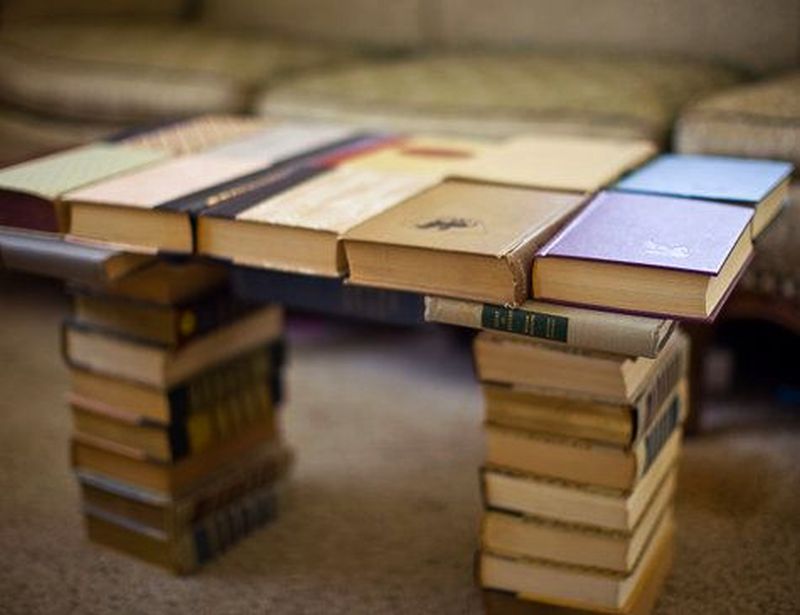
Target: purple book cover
pixel 652 231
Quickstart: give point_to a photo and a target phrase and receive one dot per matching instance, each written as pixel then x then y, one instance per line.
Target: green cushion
pixel 503 93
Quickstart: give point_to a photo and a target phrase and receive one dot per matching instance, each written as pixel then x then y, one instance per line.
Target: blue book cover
pixel 716 178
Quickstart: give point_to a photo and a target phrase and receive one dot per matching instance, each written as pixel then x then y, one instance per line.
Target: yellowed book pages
pixel 557 162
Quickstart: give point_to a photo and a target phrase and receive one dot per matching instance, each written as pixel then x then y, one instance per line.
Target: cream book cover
pixel 460 239
pixel 299 226
pixel 557 162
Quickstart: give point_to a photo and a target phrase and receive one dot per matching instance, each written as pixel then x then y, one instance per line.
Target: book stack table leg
pixel 174 392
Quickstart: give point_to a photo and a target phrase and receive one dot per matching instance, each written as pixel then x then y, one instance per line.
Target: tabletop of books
pixel 561 221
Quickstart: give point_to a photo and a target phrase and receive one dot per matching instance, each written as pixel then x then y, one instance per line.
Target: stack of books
pixel 174 391
pixel 583 413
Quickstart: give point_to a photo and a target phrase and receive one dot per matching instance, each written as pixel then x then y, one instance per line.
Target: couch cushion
pixel 133 72
pixel 502 94
pixel 760 120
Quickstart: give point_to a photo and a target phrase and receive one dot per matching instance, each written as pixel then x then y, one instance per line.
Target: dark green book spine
pixel 525 322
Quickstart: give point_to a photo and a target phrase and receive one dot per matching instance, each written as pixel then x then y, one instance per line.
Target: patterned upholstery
pixel 763 121
pixel 501 94
pixel 126 72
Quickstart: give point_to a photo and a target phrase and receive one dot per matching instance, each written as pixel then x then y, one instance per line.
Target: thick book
pixel 762 185
pixel 160 366
pixel 189 136
pixel 447 241
pixel 575 586
pixel 165 281
pixel 329 296
pixel 130 466
pixel 267 466
pixel 170 325
pixel 31 192
pixel 174 441
pixel 554 541
pixel 641 601
pixel 202 393
pixel 51 255
pixel 547 369
pixel 586 418
pixel 635 336
pixel 642 253
pixel 153 210
pixel 583 461
pixel 183 553
pixel 569 502
pixel 297 226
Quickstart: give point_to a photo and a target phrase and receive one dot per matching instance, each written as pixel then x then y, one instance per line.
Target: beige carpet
pixel 382 511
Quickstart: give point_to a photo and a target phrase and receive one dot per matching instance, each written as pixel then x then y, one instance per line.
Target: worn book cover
pixel 151 210
pixel 576 327
pixel 645 253
pixel 297 227
pixel 30 192
pixel 759 184
pixel 462 239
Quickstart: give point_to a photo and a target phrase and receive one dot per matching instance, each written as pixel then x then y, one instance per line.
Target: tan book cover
pixel 151 210
pixel 462 239
pixel 576 164
pixel 299 229
pixel 576 327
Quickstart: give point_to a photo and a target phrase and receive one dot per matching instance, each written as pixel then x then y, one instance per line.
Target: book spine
pixel 577 328
pixel 648 450
pixel 218 531
pixel 650 402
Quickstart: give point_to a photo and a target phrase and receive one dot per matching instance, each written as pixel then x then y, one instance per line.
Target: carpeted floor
pixel 381 514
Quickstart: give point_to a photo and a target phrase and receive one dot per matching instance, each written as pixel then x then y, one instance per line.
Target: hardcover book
pixel 159 366
pixel 575 586
pixel 185 551
pixel 668 256
pixel 130 466
pixel 447 241
pixel 201 394
pixel 179 439
pixel 166 282
pixel 570 502
pixel 527 536
pixel 762 185
pixel 572 326
pixel 582 461
pixel 49 254
pixel 31 191
pixel 328 296
pixel 641 601
pixel 575 164
pixel 267 466
pixel 152 210
pixel 297 228
pixel 546 369
pixel 170 325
